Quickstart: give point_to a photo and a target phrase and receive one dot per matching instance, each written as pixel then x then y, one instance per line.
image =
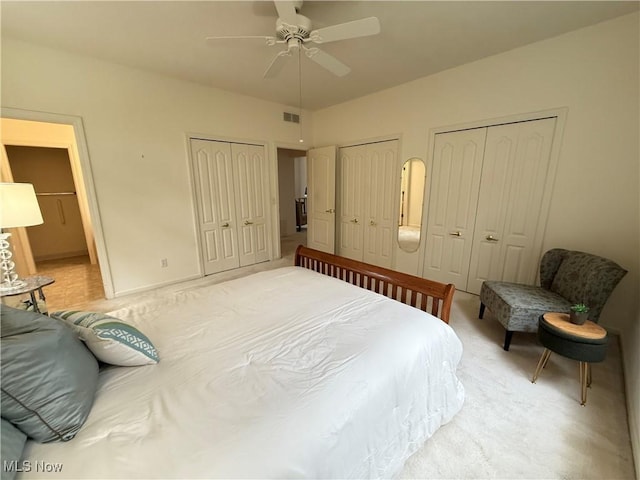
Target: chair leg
pixel 541 364
pixel 589 375
pixel 507 340
pixel 584 373
pixel 481 313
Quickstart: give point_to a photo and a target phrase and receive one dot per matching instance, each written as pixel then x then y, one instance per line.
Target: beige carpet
pixel 511 428
pixel 508 427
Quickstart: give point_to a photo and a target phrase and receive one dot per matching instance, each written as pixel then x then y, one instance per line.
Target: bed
pixel 327 369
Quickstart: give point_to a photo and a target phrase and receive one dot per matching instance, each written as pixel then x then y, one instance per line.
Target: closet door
pixel 250 200
pixel 212 167
pixel 379 202
pixel 507 239
pixel 351 178
pixel 457 166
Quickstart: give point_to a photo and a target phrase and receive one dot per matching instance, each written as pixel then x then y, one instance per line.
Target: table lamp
pixel 18 208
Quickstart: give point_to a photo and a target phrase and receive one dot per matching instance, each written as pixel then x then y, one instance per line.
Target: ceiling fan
pixel 295 31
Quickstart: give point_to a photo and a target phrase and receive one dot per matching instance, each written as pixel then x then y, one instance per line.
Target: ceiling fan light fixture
pixel 296 30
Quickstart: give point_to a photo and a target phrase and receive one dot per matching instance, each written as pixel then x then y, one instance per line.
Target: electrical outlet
pixel 164 263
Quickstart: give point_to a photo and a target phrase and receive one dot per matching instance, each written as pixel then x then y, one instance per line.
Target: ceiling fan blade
pixel 286 11
pixel 342 31
pixel 327 61
pixel 221 40
pixel 276 64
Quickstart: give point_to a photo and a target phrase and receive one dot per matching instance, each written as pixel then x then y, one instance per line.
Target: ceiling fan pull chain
pixel 300 93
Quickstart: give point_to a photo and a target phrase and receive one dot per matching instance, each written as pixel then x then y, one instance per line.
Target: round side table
pixel 32 285
pixel 586 343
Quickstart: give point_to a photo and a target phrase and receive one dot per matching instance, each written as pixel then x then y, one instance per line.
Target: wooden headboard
pixel 427 295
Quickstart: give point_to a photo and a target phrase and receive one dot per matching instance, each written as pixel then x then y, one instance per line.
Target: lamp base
pixel 10 280
pixel 10 286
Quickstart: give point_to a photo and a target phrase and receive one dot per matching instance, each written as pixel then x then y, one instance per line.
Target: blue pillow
pixel 111 340
pixel 49 378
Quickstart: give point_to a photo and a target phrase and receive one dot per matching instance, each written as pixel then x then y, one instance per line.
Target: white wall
pixel 136 125
pixel 594 72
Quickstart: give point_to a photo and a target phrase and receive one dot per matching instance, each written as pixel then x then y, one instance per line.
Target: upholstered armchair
pixel 566 278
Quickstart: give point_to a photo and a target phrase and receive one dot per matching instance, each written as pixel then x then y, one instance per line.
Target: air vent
pixel 291 117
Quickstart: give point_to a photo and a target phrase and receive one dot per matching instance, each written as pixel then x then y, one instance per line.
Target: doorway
pixel 292 192
pixel 64 247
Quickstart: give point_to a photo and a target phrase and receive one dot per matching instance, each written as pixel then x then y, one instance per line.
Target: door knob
pixel 491 239
pixel 456 234
pixel 224 225
pixel 331 210
pixel 247 222
pixel 372 223
pixel 355 220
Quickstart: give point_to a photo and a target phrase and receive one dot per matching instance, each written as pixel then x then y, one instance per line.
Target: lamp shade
pixel 18 205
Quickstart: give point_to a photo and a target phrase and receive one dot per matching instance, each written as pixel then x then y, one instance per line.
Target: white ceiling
pixel 417 38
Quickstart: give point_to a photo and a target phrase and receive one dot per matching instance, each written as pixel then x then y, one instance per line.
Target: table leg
pixel 584 366
pixel 541 364
pixel 34 301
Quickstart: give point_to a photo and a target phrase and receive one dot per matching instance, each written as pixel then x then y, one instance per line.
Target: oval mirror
pixel 411 199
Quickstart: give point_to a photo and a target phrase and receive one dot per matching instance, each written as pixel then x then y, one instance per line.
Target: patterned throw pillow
pixel 111 340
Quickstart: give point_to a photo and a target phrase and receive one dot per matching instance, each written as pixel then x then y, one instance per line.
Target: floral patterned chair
pixel 566 278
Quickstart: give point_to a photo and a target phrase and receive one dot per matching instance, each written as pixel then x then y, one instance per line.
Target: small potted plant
pixel 579 313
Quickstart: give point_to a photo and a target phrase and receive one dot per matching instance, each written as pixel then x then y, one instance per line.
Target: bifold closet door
pixel 351 179
pixel 455 181
pixel 366 201
pixel 250 201
pixel 212 167
pixel 486 208
pixel 380 202
pixel 510 219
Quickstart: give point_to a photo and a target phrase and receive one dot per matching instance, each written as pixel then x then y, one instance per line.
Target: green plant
pixel 579 308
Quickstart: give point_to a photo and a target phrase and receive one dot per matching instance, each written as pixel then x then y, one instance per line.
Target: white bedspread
pixel 285 373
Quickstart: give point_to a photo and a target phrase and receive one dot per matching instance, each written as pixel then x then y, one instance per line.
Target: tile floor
pixel 77 282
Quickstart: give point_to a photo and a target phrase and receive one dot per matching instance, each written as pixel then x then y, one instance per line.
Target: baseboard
pixel 146 288
pixel 632 394
pixel 57 256
pixel 634 431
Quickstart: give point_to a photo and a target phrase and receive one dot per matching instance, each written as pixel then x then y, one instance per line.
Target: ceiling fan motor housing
pixel 301 30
